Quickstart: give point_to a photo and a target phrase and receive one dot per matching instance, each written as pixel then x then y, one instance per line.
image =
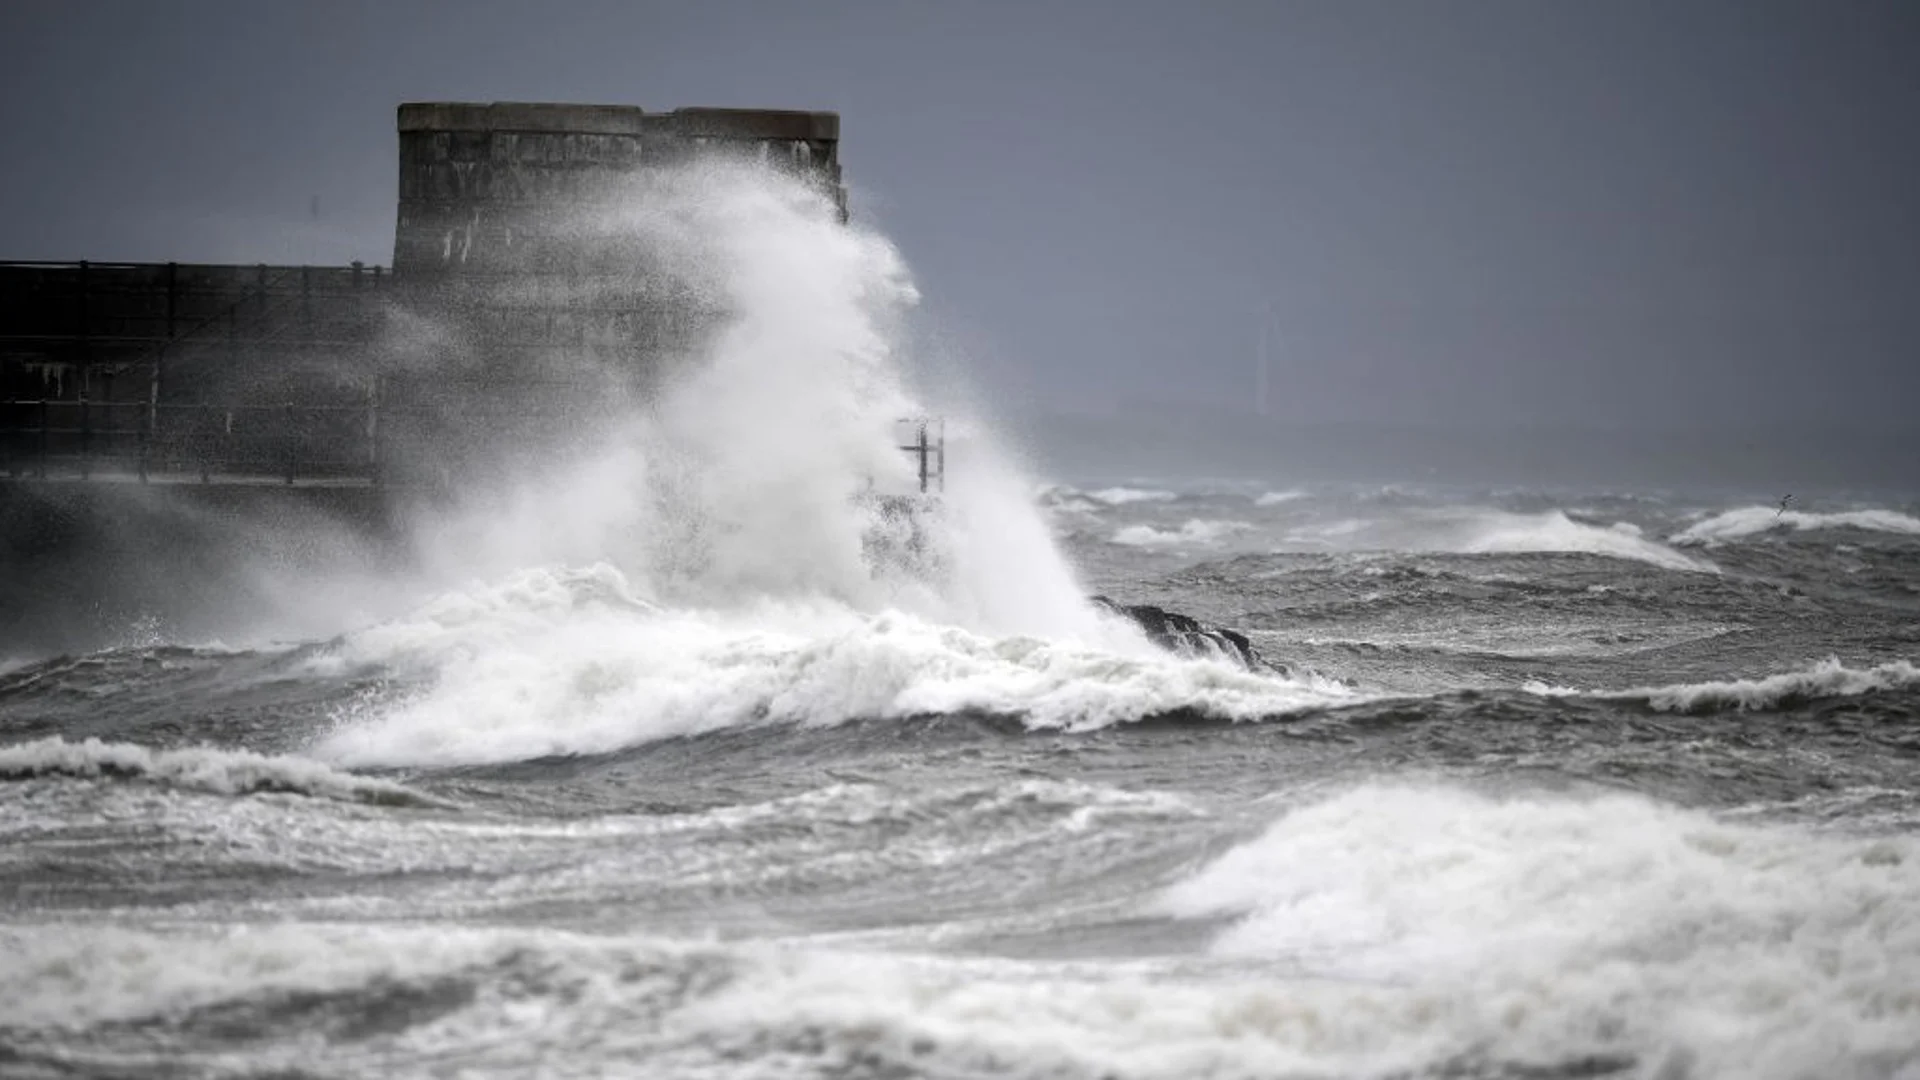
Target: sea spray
pixel 755 469
pixel 733 515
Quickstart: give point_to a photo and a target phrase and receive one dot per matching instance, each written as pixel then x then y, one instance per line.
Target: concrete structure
pixel 495 325
pixel 153 372
pixel 499 189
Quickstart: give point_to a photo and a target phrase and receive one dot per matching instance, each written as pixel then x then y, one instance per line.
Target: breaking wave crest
pixel 1755 520
pixel 1121 496
pixel 1827 679
pixel 1614 928
pixel 533 668
pixel 1382 931
pixel 1196 531
pixel 219 772
pixel 1555 531
pixel 1498 532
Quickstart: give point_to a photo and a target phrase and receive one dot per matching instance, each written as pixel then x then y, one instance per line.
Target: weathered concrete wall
pixel 504 244
pixel 127 369
pixel 489 188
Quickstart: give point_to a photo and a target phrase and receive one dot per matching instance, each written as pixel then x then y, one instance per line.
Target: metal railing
pixel 148 441
pixel 927 443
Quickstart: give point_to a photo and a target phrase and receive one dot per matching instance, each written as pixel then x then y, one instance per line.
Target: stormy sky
pixel 1472 215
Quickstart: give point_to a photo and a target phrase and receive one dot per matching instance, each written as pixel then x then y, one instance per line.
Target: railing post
pixel 151 429
pixel 209 443
pixel 373 431
pixel 293 444
pixel 86 437
pixel 86 322
pixel 46 434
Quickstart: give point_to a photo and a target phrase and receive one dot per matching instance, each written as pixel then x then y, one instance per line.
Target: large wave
pixel 1611 928
pixel 1380 931
pixel 715 564
pixel 1753 520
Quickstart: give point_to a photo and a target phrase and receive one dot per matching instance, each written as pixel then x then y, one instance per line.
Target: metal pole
pixel 373 431
pixel 151 428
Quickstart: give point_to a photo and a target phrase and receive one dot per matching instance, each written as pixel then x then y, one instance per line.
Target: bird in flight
pixel 1784 500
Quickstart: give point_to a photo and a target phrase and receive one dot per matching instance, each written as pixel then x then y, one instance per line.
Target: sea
pixel 676 764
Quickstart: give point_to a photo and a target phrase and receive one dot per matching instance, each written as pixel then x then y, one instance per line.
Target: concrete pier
pixel 162 424
pixel 491 328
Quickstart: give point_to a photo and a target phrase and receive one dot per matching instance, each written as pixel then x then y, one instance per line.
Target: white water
pixel 220 772
pixel 1755 520
pixel 1827 679
pixel 1382 930
pixel 1553 926
pixel 549 663
pixel 1491 532
pixel 1195 532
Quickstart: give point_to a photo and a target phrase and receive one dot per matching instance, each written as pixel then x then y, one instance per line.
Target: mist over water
pixel 685 751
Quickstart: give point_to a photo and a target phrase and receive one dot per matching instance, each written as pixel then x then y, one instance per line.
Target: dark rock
pixel 1188 636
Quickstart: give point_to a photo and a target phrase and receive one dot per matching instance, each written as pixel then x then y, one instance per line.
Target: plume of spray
pixel 753 472
pixel 707 559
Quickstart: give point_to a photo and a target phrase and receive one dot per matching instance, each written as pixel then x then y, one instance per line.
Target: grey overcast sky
pixel 1473 213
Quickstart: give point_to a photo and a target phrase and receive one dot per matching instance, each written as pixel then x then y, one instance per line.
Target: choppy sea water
pixel 1553 785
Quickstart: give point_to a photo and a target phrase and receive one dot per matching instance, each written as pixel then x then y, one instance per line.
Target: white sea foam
pixel 1754 520
pixel 540 677
pixel 1194 533
pixel 1650 936
pixel 221 772
pixel 1121 496
pixel 1553 927
pixel 1276 498
pixel 1497 532
pixel 1826 679
pixel 1554 531
pixel 712 568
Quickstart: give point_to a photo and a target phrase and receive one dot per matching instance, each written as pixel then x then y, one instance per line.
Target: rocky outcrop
pixel 1186 635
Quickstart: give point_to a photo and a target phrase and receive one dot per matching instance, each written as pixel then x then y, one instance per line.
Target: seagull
pixel 1784 500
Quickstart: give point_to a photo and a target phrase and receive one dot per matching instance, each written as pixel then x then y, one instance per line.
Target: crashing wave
pixel 1184 635
pixel 1755 520
pixel 1121 496
pixel 1498 532
pixel 1555 531
pixel 1195 531
pixel 1558 928
pixel 219 772
pixel 603 678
